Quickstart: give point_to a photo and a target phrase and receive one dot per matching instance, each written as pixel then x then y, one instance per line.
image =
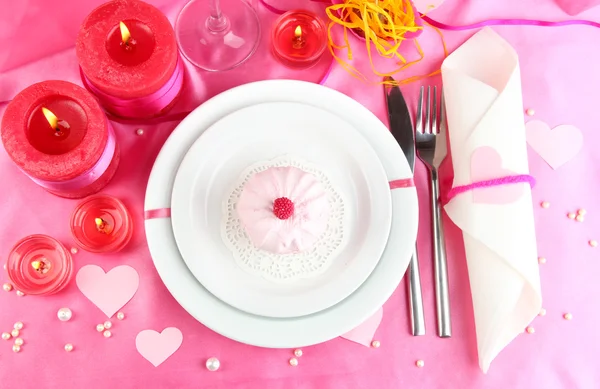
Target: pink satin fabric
pixel 90 175
pixel 149 105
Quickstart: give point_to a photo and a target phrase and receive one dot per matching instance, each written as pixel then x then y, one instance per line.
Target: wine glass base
pixel 217 45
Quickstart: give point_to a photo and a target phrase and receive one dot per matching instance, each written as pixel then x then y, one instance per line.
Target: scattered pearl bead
pixel 530 330
pixel 542 260
pixel 19 342
pixel 5 266
pixel 18 326
pixel 530 112
pixel 100 327
pixel 571 215
pixel 579 218
pixel 545 204
pixel 542 312
pixel 375 344
pixel 120 316
pixel 107 324
pixel 581 212
pixel 298 352
pixel 74 250
pixel 568 316
pixel 68 347
pixel 593 243
pixel 64 314
pixel 293 362
pixel 16 348
pixel 420 363
pixel 139 131
pixel 14 333
pixel 6 336
pixel 20 294
pixel 7 287
pixel 107 334
pixel 213 364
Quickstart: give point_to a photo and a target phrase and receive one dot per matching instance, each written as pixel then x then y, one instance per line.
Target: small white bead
pixel 213 364
pixel 139 131
pixel 16 348
pixel 107 324
pixel 420 363
pixel 100 327
pixel 14 333
pixel 375 344
pixel 298 352
pixel 18 325
pixel 293 362
pixel 64 314
pixel 6 336
pixel 20 294
pixel 120 316
pixel 68 347
pixel 7 287
pixel 74 250
pixel 19 342
pixel 530 112
pixel 107 334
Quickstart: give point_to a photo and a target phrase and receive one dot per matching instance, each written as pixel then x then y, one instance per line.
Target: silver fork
pixel 431 150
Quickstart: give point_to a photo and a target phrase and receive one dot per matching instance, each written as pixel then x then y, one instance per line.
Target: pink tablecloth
pixel 560 79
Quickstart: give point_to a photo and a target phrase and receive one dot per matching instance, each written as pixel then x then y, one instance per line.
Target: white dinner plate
pixel 259 330
pixel 264 132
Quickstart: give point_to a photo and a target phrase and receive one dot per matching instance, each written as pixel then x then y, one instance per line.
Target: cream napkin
pixel 482 88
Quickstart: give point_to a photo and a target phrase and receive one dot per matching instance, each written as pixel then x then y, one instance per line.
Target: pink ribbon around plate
pixel 152 103
pixel 88 177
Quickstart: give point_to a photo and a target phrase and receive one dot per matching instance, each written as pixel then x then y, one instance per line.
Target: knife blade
pixel 400 124
pixel 402 129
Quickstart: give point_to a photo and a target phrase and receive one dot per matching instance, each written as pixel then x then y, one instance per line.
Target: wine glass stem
pixel 217 22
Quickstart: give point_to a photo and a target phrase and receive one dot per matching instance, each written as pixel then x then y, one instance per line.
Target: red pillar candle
pixel 101 224
pixel 298 39
pixel 39 265
pixel 58 135
pixel 129 59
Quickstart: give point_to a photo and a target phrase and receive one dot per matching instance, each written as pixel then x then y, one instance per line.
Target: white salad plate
pixel 260 330
pixel 211 170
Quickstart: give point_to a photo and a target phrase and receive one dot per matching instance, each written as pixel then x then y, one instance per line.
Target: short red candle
pixel 101 224
pixel 76 159
pixel 299 39
pixel 134 72
pixel 39 265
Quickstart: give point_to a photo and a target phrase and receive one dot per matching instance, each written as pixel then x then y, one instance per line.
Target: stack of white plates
pixel 205 155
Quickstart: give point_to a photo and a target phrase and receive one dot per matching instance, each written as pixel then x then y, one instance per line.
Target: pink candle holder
pixel 101 224
pixel 39 265
pixel 298 39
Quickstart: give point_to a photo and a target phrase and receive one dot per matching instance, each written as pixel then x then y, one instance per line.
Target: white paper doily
pixel 284 267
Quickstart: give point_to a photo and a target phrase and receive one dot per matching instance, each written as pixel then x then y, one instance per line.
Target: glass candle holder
pixel 39 265
pixel 101 224
pixel 298 39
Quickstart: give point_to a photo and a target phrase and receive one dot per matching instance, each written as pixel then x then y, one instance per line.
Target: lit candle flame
pixel 50 117
pixel 99 223
pixel 298 32
pixel 125 34
pixel 37 265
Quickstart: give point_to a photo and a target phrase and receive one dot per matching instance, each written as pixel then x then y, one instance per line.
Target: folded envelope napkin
pixel 482 88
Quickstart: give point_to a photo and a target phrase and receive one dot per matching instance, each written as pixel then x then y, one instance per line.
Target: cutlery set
pixel 427 139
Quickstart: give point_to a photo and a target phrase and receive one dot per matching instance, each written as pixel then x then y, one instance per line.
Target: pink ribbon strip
pixel 509 22
pixel 88 177
pixel 153 103
pixel 160 213
pixel 508 180
pixel 402 183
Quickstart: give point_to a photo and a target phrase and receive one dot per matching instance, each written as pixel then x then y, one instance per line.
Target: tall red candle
pixel 71 153
pixel 129 59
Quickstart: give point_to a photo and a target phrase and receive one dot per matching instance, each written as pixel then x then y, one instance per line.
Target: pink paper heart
pixel 556 146
pixel 108 291
pixel 363 334
pixel 155 347
pixel 486 164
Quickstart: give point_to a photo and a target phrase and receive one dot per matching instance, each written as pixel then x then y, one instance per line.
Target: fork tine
pixel 428 112
pixel 419 124
pixel 435 121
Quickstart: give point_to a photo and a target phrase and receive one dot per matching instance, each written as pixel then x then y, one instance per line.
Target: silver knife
pixel 404 133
